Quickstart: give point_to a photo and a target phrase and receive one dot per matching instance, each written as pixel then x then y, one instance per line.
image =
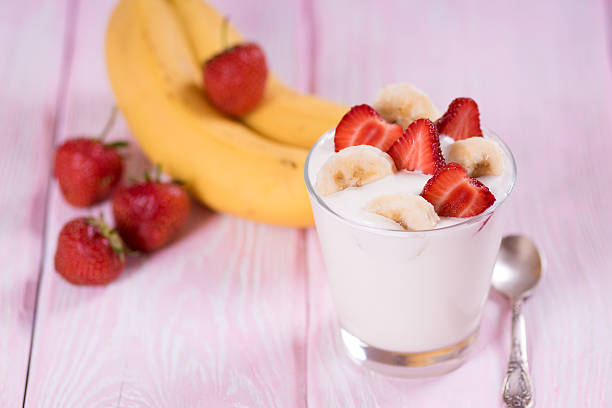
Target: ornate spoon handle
pixel 517 391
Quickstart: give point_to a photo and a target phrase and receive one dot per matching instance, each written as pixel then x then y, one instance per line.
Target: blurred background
pixel 541 74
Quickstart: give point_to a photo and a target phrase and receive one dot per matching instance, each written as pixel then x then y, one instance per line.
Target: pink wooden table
pixel 238 314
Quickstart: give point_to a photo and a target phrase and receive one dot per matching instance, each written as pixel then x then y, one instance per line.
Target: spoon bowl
pixel 518 267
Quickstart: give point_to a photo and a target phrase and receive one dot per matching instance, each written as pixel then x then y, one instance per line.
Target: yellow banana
pixel 284 114
pixel 225 164
pixel 168 42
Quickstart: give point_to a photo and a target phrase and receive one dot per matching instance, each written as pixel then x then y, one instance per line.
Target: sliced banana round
pixel 479 156
pixel 402 103
pixel 353 166
pixel 410 211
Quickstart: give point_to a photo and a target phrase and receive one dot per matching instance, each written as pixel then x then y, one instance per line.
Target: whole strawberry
pixel 235 79
pixel 89 252
pixel 87 169
pixel 149 214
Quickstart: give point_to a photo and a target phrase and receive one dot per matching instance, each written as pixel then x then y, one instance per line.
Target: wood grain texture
pixel 216 319
pixel 186 328
pixel 30 68
pixel 238 314
pixel 542 79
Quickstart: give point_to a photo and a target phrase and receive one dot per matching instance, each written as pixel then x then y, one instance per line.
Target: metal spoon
pixel 517 271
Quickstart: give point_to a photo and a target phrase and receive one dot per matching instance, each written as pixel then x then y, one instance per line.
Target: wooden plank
pixel 542 78
pixel 31 46
pixel 280 29
pixel 216 319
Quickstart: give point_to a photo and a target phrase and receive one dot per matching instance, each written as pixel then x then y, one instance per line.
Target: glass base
pixel 408 365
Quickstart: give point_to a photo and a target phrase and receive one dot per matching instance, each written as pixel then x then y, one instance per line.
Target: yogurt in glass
pixel 409 303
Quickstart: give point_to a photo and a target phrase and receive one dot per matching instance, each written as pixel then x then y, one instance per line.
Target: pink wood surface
pixel 239 314
pixel 30 68
pixel 217 319
pixel 541 75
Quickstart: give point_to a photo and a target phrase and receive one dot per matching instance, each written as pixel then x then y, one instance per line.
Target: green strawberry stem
pixel 111 235
pixel 109 124
pixel 117 144
pixel 156 175
pixel 157 172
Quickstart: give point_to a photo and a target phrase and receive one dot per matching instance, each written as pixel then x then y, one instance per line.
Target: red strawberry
pixel 235 79
pixel 454 194
pixel 89 252
pixel 461 120
pixel 363 125
pixel 87 169
pixel 150 214
pixel 419 148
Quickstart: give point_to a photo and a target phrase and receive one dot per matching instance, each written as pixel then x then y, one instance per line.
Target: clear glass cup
pixel 409 303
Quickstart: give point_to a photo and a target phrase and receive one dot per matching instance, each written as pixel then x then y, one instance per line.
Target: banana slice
pixel 403 104
pixel 410 211
pixel 479 156
pixel 353 167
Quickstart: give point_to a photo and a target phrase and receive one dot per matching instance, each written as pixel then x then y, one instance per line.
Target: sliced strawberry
pixel 363 125
pixel 419 148
pixel 454 194
pixel 461 120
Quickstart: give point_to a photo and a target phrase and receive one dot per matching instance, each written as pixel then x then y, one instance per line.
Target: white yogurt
pixel 406 291
pixel 351 202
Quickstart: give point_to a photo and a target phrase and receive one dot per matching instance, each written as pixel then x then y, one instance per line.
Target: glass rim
pixel 380 230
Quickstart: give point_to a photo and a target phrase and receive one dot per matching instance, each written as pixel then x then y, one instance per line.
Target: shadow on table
pixel 199 215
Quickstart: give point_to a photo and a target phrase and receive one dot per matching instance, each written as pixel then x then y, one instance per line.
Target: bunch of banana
pixel 253 167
